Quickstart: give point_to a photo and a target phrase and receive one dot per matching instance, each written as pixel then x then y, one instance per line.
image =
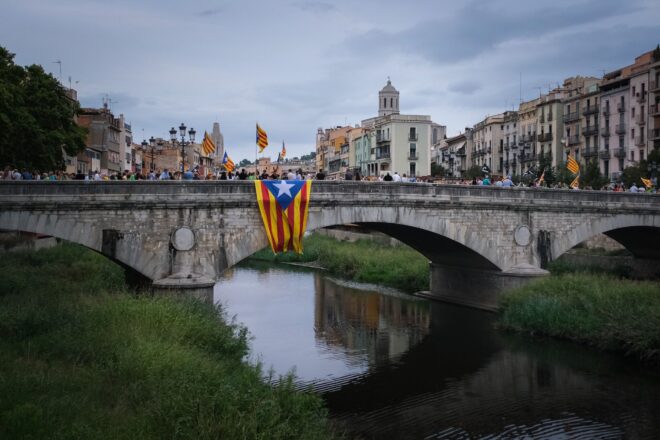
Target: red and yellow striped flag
pixel 228 163
pixel 647 182
pixel 262 139
pixel 576 182
pixel 572 165
pixel 208 146
pixel 284 205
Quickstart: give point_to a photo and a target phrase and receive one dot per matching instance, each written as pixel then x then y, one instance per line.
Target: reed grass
pixel 81 357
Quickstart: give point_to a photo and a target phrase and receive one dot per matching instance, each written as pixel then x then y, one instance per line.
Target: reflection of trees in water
pixel 464 380
pixel 361 322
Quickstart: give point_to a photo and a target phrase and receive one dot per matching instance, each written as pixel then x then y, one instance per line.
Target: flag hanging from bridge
pixel 262 139
pixel 284 205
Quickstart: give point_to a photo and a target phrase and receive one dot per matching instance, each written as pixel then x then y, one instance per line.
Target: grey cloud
pixel 313 6
pixel 479 27
pixel 466 87
pixel 209 12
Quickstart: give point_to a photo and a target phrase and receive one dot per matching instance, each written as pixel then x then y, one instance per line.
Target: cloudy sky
pixel 298 65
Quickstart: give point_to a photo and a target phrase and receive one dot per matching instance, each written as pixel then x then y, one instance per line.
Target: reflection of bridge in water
pixel 480 241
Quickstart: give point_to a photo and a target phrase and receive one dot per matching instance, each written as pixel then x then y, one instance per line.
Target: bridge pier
pixel 478 288
pixel 200 288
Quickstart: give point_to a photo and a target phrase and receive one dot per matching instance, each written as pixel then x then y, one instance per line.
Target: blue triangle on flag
pixel 284 191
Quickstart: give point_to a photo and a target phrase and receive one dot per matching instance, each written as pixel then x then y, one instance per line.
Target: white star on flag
pixel 284 188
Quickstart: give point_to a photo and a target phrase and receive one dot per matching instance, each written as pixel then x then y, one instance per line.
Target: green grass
pixel 363 261
pixel 601 310
pixel 80 357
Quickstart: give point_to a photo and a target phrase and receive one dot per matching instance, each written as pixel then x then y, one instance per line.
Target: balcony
pixel 461 152
pixel 655 110
pixel 590 130
pixel 654 86
pixel 620 108
pixel 383 155
pixel 542 119
pixel 413 156
pixel 571 117
pixel 382 138
pixel 605 132
pixel 605 154
pixel 544 137
pixel 592 110
pixel 654 134
pixel 506 147
pixel 640 119
pixel 620 129
pixel 549 117
pixel 641 97
pixel 640 141
pixel 589 152
pixel 413 137
pixel 572 140
pixel 606 111
pixel 620 153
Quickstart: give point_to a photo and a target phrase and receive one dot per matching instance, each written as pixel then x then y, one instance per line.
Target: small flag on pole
pixel 283 153
pixel 208 146
pixel 576 182
pixel 572 165
pixel 262 139
pixel 647 182
pixel 228 163
pixel 542 178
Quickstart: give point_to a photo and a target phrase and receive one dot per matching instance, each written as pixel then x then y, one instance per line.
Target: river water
pixel 392 366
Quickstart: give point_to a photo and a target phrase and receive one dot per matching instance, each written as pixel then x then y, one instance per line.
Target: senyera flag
pixel 262 139
pixel 284 205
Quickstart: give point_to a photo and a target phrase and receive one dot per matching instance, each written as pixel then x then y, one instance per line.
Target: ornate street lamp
pixel 153 145
pixel 183 143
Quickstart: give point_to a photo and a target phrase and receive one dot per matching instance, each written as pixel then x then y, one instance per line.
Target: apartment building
pixel 576 89
pixel 454 155
pixel 550 129
pixel 508 147
pixel 589 122
pixel 486 136
pixel 102 152
pixel 625 109
pixel 654 101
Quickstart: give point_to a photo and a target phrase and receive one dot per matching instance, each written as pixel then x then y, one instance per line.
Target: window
pixel 413 168
pixel 384 102
pixel 641 152
pixel 632 156
pixel 391 102
pixel 632 133
pixel 621 141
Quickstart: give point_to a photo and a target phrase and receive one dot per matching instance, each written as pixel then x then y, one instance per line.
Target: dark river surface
pixel 392 366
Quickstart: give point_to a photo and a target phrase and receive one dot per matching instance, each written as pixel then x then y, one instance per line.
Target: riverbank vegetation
pixel 81 357
pixel 596 309
pixel 364 261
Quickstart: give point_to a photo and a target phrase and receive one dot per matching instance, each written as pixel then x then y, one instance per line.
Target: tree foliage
pixel 474 171
pixel 591 176
pixel 36 117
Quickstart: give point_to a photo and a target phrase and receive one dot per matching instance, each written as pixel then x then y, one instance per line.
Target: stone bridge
pixel 480 241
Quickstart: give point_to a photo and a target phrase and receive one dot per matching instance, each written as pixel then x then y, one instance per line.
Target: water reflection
pixel 390 366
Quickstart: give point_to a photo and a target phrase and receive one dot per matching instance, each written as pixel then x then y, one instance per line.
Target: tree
pixel 563 175
pixel 438 170
pixel 36 118
pixel 474 171
pixel 591 176
pixel 243 163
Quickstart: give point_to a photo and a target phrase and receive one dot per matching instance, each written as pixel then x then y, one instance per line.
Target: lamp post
pixel 152 145
pixel 182 142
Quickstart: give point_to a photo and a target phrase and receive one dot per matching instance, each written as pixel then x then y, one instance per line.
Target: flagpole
pixel 256 169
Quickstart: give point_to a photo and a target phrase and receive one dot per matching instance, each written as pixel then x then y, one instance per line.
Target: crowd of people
pixel 165 174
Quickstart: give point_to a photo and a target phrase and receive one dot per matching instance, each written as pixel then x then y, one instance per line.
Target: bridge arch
pixel 102 241
pixel 639 234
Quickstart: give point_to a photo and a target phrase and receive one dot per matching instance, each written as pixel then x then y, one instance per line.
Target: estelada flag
pixel 284 205
pixel 228 163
